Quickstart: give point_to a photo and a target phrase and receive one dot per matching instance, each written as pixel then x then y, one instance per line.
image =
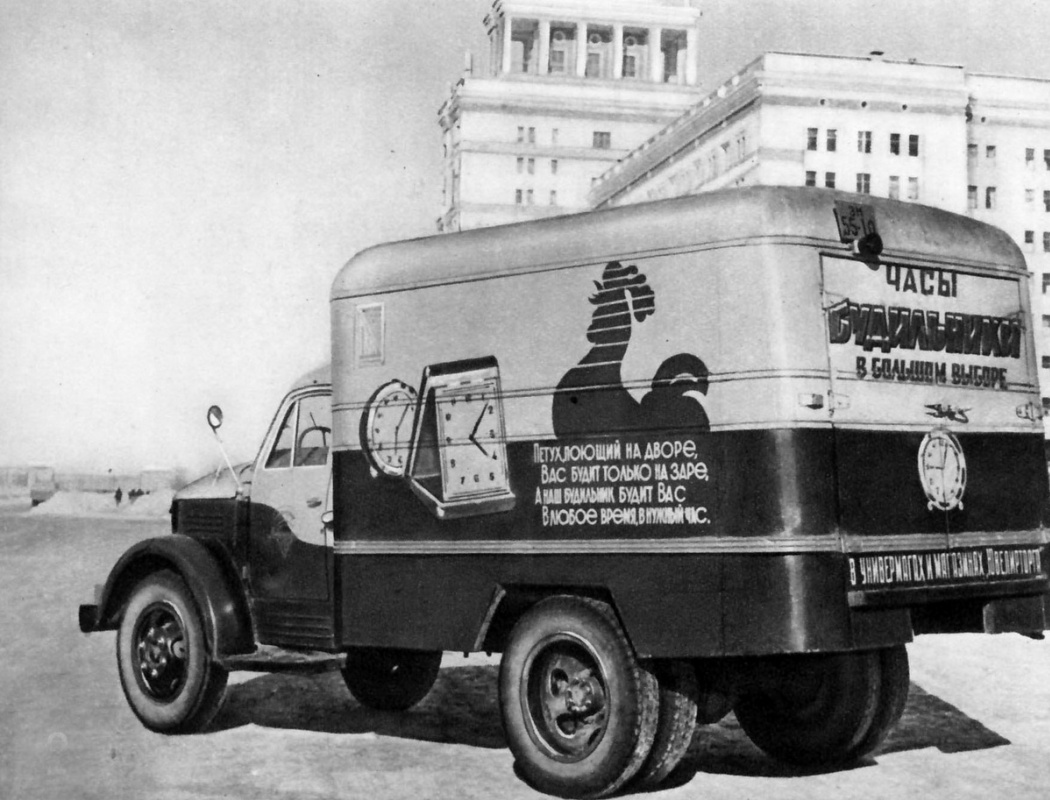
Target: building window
pixel 554 197
pixel 971 197
pixel 1046 286
pixel 811 178
pixel 833 140
pixel 1046 200
pixel 531 166
pixel 989 151
pixel 895 144
pixel 1029 195
pixel 1046 362
pixel 554 166
pixel 521 133
pixel 554 135
pixel 913 188
pixel 601 140
pixel 521 164
pixel 517 197
pixel 1046 241
pixel 971 152
pixel 895 187
pixel 829 180
pixel 863 183
pixel 989 197
pixel 913 144
pixel 1029 157
pixel 532 136
pixel 864 141
pixel 1046 324
pixel 811 138
pixel 528 197
pixel 1029 241
pixel 1046 159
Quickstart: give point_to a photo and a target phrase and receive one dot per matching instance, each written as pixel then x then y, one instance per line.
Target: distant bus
pixel 41 484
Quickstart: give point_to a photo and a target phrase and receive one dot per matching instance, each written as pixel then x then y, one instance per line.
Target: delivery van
pixel 728 452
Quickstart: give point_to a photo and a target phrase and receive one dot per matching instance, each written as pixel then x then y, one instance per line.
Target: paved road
pixel 977 722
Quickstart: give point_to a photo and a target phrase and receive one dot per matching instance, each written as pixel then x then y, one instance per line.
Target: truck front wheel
pixel 579 712
pixel 818 709
pixel 388 679
pixel 169 678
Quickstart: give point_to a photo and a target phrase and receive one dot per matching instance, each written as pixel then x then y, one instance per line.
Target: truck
pixel 724 453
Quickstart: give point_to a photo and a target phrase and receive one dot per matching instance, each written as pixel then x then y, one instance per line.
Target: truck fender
pixel 222 605
pixel 509 602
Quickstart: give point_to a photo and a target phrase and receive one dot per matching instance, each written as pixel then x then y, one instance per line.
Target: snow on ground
pixel 153 505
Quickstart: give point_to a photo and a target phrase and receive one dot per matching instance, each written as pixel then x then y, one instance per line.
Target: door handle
pixel 313 502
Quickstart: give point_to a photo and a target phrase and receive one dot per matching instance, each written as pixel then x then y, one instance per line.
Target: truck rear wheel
pixel 579 712
pixel 389 679
pixel 169 678
pixel 894 682
pixel 677 721
pixel 818 710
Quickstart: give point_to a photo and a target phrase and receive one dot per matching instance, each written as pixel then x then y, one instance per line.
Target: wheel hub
pixel 566 699
pixel 160 646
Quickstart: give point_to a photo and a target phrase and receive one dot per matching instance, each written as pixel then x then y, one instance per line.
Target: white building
pixel 970 143
pixel 571 87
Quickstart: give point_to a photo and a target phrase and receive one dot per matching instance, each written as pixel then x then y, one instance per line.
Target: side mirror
pixel 215 418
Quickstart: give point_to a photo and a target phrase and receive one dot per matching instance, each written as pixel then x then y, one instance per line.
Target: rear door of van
pixel 936 417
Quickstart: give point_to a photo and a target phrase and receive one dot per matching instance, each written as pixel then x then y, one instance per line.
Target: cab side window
pixel 315 431
pixel 281 454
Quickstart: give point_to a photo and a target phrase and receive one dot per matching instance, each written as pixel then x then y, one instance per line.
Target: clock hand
pixel 397 427
pixel 477 425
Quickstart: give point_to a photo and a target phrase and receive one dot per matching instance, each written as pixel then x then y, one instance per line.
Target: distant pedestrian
pixel 117 495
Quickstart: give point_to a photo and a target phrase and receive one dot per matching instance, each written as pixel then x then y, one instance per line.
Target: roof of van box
pixel 726 216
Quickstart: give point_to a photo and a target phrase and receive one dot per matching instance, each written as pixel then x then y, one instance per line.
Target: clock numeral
pixel 452 463
pixel 477 478
pixel 492 476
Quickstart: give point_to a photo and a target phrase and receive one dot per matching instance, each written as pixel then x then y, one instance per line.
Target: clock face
pixel 386 427
pixel 471 440
pixel 942 470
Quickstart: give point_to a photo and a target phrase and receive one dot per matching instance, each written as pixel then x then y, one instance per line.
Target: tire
pixel 388 679
pixel 820 711
pixel 895 679
pixel 168 676
pixel 579 712
pixel 677 721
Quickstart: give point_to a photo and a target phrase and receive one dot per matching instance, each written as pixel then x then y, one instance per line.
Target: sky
pixel 180 183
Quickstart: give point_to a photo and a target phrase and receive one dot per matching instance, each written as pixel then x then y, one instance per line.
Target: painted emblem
pixel 942 470
pixel 591 398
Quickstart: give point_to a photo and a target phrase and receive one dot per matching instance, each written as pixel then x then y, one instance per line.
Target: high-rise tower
pixel 570 87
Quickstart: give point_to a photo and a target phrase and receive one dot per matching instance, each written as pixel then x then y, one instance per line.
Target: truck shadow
pixel 928 721
pixel 462 708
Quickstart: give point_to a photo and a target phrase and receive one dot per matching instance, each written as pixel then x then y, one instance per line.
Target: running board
pixel 269 658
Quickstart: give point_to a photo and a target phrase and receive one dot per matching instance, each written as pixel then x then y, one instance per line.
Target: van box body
pixel 708 409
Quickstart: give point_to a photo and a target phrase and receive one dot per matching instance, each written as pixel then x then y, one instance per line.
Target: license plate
pixel 854 220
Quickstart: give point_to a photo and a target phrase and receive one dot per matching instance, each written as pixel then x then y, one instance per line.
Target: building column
pixel 581 49
pixel 617 52
pixel 656 56
pixel 507 48
pixel 544 50
pixel 692 44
